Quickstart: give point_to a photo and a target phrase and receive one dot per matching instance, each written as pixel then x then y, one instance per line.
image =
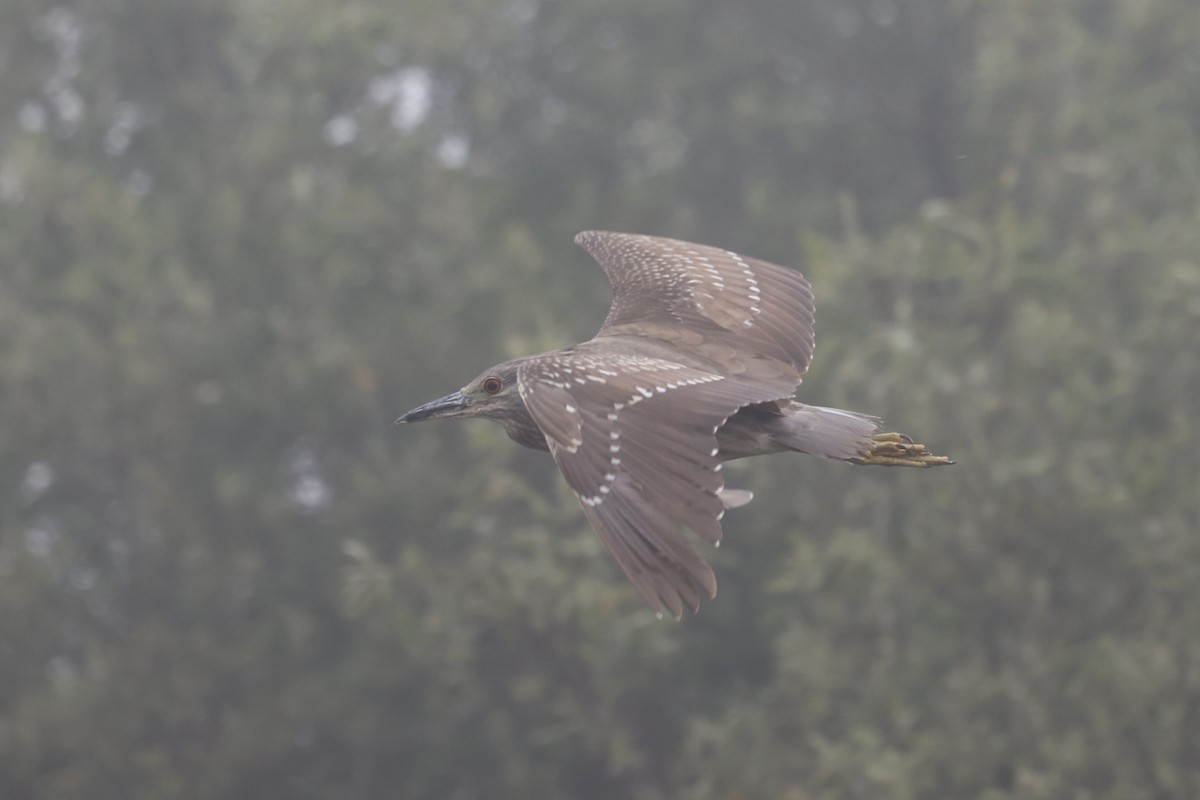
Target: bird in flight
pixel 697 363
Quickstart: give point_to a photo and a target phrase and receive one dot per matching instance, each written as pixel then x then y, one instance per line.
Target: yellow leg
pixel 898 450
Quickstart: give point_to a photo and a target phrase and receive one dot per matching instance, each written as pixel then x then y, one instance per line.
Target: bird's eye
pixel 492 385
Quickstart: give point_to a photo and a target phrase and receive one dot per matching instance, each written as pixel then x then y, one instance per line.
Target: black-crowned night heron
pixel 696 363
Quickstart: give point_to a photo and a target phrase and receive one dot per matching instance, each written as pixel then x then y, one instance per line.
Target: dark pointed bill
pixel 449 406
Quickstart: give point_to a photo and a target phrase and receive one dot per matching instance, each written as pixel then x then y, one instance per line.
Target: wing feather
pixel 757 307
pixel 645 464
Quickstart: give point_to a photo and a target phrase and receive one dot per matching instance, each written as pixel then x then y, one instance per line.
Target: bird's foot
pixel 898 450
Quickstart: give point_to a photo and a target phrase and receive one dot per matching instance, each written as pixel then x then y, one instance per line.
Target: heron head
pixel 493 394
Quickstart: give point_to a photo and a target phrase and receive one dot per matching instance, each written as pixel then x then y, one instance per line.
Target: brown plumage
pixel 696 364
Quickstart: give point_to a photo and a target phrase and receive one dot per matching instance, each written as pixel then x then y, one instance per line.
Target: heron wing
pixel 635 438
pixel 745 305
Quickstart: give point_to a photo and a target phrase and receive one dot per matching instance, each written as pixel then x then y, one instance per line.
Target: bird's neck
pixel 521 428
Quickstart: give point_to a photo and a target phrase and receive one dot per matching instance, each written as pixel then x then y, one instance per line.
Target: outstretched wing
pixel 743 304
pixel 635 437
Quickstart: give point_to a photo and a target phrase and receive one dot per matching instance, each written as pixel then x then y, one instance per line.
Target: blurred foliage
pixel 238 237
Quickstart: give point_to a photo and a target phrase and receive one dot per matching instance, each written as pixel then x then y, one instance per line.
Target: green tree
pixel 237 238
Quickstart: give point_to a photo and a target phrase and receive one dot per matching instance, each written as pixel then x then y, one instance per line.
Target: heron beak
pixel 452 405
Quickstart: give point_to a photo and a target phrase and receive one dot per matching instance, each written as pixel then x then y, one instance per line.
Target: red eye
pixel 492 385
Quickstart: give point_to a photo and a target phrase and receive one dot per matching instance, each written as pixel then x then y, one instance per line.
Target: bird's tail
pixel 850 436
pixel 829 432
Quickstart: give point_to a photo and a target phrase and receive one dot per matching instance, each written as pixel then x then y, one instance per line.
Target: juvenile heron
pixel 696 363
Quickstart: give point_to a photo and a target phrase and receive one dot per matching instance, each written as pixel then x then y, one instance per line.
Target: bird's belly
pixel 749 432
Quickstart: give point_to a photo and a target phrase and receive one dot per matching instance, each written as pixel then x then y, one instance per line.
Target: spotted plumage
pixel 695 364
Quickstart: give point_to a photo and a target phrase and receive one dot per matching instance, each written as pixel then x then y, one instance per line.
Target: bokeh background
pixel 239 237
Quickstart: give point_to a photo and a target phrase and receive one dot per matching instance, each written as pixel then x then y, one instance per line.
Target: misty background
pixel 239 237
